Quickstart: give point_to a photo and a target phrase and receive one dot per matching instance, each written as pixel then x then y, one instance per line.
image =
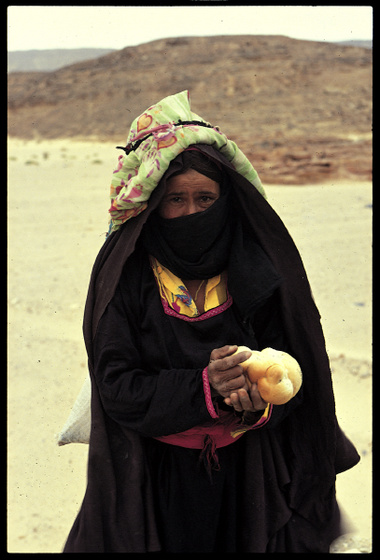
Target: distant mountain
pixel 53 59
pixel 49 60
pixel 300 110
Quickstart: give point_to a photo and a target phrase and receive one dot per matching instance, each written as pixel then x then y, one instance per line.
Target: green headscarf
pixel 156 137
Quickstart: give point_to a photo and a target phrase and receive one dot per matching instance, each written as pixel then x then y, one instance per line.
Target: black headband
pixel 133 146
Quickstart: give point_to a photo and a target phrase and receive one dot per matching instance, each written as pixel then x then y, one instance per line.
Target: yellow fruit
pixel 277 374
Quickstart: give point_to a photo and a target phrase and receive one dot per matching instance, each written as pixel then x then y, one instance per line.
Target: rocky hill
pixel 300 110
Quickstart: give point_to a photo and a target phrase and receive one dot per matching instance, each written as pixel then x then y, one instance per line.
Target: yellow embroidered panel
pixel 178 297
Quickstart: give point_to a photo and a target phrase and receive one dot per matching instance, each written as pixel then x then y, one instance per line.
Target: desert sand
pixel 57 219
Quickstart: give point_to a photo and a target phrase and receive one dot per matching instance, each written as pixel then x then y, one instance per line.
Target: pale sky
pixel 116 27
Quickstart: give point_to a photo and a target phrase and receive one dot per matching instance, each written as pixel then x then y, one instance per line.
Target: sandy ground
pixel 57 217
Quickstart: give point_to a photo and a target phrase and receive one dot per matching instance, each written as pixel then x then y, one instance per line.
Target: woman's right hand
pixel 224 372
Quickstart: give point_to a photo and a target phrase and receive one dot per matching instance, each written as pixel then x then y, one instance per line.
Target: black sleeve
pixel 153 403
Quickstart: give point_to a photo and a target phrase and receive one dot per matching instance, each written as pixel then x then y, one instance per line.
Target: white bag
pixel 78 424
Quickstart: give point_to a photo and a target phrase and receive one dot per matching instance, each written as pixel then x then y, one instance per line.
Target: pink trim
pixel 217 431
pixel 263 420
pixel 210 313
pixel 207 392
pixel 223 430
pixel 155 129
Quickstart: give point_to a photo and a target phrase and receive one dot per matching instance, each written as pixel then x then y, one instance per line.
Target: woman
pixel 183 456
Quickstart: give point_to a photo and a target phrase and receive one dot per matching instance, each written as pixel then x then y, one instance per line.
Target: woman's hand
pixel 224 372
pixel 226 377
pixel 248 401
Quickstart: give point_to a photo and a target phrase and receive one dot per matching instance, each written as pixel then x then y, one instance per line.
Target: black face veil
pixel 196 246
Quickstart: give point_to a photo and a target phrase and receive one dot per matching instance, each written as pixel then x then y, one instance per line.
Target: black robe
pixel 287 468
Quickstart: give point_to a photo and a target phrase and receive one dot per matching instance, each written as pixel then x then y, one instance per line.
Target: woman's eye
pixel 207 199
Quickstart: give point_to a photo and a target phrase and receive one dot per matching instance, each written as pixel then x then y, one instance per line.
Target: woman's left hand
pixel 243 400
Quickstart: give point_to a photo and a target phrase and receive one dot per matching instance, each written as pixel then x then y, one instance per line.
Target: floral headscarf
pixel 156 137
